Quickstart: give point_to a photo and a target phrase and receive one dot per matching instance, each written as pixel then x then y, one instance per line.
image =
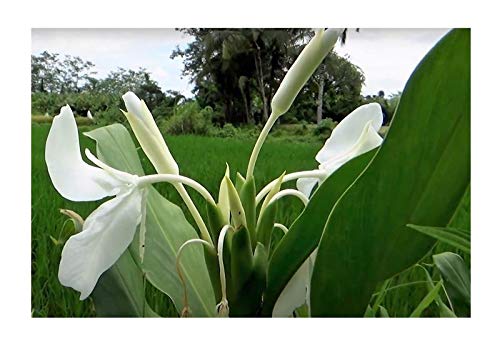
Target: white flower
pixel 354 135
pixel 89 115
pixel 108 231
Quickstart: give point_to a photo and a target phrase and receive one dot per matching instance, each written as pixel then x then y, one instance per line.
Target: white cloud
pixel 388 56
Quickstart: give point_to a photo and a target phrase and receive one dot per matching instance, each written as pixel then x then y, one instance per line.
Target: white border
pixel 17 20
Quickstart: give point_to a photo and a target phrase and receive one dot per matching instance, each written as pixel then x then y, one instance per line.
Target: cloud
pixel 388 56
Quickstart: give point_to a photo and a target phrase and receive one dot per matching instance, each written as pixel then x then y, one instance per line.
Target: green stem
pixel 205 235
pixel 260 141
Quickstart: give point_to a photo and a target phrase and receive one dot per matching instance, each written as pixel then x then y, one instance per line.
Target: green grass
pixel 201 158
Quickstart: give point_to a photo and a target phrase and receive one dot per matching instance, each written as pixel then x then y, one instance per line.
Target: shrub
pixel 189 118
pixel 80 121
pixel 324 128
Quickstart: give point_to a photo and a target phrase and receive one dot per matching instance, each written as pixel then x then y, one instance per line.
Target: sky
pixel 386 56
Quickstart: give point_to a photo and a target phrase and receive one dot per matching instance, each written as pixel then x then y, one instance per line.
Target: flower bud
pixel 237 211
pixel 302 69
pixel 149 136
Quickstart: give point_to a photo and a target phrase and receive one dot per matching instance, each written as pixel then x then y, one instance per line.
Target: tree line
pixel 235 73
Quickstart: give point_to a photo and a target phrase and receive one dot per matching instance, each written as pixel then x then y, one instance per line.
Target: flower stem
pixel 185 310
pixel 290 177
pixel 260 141
pixel 222 307
pixel 291 192
pixel 281 226
pixel 205 235
pixel 170 178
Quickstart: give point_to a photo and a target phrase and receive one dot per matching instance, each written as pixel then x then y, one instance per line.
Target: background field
pixel 201 158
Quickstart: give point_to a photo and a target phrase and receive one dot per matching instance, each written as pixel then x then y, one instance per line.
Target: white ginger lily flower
pixel 89 115
pixel 354 135
pixel 109 230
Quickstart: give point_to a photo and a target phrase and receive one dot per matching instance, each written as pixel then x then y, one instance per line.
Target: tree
pixel 230 67
pixel 50 74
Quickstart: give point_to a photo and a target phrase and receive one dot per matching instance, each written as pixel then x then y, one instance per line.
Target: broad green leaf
pixel 304 234
pixel 427 300
pixel 461 218
pixel 383 312
pixel 418 176
pixel 454 237
pixel 116 148
pixel 120 291
pixel 456 276
pixel 166 230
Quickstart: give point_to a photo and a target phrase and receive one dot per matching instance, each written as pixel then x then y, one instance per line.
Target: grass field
pixel 201 158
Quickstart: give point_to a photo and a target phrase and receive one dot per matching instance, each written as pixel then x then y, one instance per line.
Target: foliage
pixel 81 121
pixel 189 118
pixel 324 128
pixel 238 70
pixel 50 73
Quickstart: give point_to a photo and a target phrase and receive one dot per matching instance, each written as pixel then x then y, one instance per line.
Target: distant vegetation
pixel 235 73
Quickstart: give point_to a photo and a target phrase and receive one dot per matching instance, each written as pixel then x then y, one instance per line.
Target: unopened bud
pixel 147 133
pixel 302 69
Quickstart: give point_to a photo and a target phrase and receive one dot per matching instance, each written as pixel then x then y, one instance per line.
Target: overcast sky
pixel 386 56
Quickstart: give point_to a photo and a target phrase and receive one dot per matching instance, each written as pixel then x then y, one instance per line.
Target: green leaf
pixel 454 237
pixel 166 230
pixel 304 234
pixel 418 176
pixel 116 148
pixel 383 312
pixel 427 300
pixel 456 276
pixel 120 291
pixel 444 311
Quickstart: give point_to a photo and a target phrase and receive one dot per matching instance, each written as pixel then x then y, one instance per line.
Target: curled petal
pixel 346 134
pixel 367 140
pixel 306 185
pixel 106 234
pixel 71 176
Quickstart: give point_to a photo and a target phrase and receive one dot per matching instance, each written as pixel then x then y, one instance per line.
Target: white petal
pixel 106 234
pixel 71 176
pixel 368 140
pixel 348 131
pixel 149 136
pixel 306 185
pixel 294 294
pixel 133 104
